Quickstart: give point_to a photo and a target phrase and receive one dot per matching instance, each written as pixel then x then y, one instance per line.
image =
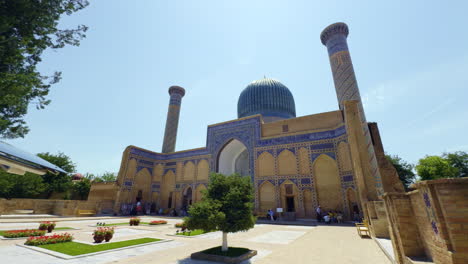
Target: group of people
pixel 329 217
pixel 137 208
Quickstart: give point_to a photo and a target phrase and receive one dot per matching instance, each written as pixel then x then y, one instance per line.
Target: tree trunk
pixel 225 244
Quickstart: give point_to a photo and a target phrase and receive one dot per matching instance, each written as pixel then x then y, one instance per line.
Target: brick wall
pixel 44 206
pixel 378 219
pixel 430 222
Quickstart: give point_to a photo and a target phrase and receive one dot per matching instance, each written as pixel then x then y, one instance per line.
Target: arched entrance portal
pixel 187 199
pixel 234 158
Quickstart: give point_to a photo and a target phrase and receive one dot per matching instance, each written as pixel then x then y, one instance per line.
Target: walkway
pixel 275 244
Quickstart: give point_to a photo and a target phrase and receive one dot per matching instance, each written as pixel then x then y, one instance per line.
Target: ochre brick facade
pixel 430 222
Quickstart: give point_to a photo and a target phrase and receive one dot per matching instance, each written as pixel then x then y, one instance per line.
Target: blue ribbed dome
pixel 267 97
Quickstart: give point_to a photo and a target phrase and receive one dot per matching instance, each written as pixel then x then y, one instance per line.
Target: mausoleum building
pixel 333 159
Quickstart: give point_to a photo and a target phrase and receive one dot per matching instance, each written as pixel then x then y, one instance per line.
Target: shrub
pixel 44 240
pixel 24 233
pixel 158 222
pixel 135 221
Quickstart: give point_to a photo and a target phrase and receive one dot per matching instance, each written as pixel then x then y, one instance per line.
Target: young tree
pixel 404 169
pixel 82 188
pixel 459 160
pixel 434 167
pixel 27 28
pixel 58 182
pixel 226 206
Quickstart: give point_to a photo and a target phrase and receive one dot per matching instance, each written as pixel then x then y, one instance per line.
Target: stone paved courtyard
pixel 274 243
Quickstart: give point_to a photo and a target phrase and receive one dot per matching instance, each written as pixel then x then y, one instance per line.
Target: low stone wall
pixel 430 222
pixel 378 219
pixel 46 206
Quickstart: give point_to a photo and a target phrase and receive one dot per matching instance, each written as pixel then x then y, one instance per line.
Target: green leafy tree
pixel 404 169
pixel 82 188
pixel 58 182
pixel 226 206
pixel 458 160
pixel 20 186
pixel 27 28
pixel 108 177
pixel 434 167
pixel 105 177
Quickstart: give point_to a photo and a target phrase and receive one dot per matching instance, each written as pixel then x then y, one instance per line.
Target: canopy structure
pixel 17 161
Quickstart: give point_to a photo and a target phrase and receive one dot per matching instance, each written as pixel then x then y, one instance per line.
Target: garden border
pixel 17 238
pixel 65 256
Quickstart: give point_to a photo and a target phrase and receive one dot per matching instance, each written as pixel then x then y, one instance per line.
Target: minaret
pixel 334 38
pixel 170 135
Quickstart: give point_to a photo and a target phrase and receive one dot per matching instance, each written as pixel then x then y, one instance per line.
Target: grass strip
pixel 62 228
pixel 232 251
pixel 76 248
pixel 192 233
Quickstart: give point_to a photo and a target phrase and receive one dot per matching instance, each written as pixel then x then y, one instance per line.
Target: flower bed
pixel 158 222
pixel 23 233
pixel 44 240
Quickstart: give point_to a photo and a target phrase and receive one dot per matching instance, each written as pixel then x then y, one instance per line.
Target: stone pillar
pixel 334 38
pixel 172 122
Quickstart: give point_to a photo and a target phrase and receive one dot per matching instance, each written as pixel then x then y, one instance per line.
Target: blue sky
pixel 410 58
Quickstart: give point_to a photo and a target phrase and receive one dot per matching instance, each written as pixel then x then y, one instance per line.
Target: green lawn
pixel 126 223
pixel 232 251
pixel 75 248
pixel 55 229
pixel 192 233
pixel 62 228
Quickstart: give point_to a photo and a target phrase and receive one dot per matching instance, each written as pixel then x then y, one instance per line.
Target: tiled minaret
pixel 334 38
pixel 172 122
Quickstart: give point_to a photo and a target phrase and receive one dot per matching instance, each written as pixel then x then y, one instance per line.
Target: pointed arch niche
pixel 142 186
pixel 265 164
pixel 328 183
pixel 189 171
pixel 167 189
pixel 287 163
pixel 234 158
pixel 203 170
pixel 267 196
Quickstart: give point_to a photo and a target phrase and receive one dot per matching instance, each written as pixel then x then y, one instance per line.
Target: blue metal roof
pixel 16 155
pixel 267 97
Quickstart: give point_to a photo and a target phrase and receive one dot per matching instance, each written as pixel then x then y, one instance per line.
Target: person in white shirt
pixel 327 219
pixel 318 210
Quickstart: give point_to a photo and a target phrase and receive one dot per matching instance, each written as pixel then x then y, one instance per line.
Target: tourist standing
pixel 270 213
pixel 318 210
pixel 138 208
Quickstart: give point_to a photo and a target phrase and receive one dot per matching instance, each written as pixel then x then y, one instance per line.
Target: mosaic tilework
pixel 247 131
pixel 334 38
